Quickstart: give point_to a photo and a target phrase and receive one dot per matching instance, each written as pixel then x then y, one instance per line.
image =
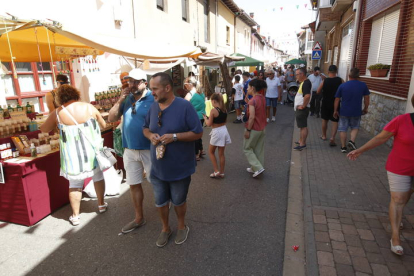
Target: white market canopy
pixel 26 40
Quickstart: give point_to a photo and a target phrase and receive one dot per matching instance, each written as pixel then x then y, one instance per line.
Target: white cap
pixel 136 74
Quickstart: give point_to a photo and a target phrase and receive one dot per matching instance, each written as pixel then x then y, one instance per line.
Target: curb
pixel 294 263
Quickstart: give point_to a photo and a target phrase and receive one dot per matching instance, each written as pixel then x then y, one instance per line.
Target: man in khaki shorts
pixel 134 104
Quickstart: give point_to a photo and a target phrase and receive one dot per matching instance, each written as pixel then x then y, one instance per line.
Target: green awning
pixel 296 61
pixel 248 61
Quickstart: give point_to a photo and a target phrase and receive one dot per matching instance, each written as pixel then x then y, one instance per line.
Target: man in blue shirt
pixel 350 95
pixel 172 126
pixel 134 105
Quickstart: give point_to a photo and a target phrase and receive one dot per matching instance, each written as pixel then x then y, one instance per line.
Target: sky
pixel 280 19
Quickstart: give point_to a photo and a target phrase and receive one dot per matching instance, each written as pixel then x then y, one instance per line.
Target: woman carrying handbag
pixel 80 139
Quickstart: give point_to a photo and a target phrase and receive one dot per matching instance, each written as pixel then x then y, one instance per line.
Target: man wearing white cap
pixel 134 104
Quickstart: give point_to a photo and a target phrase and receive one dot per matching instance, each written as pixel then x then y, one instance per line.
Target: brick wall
pixel 400 77
pixel 373 7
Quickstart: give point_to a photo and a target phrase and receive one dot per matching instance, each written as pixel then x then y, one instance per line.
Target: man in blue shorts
pixel 350 95
pixel 172 126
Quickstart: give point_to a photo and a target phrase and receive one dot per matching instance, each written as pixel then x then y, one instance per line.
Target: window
pixel 383 36
pixel 160 4
pixel 227 35
pixel 328 56
pixel 184 10
pixel 335 56
pixel 206 22
pixel 33 80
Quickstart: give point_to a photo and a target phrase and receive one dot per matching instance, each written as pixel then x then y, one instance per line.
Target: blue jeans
pixel 271 102
pixel 348 122
pixel 166 191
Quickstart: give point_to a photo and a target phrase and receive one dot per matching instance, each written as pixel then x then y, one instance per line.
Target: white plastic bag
pixel 113 179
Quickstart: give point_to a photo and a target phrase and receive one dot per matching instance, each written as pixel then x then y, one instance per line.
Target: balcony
pixel 340 5
pixel 326 19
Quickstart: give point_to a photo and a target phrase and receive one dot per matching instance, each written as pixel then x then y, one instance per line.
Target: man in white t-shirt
pixel 316 80
pixel 238 73
pixel 238 99
pixel 273 94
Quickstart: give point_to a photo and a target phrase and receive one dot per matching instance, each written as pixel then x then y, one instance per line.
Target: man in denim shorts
pixel 133 105
pixel 172 126
pixel 350 95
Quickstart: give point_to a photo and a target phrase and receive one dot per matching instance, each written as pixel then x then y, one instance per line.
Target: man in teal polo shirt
pixel 134 105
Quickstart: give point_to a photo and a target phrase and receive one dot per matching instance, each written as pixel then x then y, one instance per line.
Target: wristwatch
pixel 175 139
pixel 248 130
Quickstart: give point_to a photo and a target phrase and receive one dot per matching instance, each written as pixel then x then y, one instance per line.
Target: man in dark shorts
pixel 302 105
pixel 328 89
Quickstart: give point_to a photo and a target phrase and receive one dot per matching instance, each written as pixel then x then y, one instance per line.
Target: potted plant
pixel 379 70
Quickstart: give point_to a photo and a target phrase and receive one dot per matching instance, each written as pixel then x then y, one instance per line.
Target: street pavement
pixel 237 224
pixel 348 232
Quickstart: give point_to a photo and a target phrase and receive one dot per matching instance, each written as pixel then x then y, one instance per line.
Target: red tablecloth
pixel 34 189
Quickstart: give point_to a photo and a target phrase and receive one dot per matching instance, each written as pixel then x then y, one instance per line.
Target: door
pixel 346 49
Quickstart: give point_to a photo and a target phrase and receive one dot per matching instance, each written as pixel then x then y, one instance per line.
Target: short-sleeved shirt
pixel 259 103
pixel 238 87
pixel 179 159
pixel 245 86
pixel 401 159
pixel 304 89
pixel 199 103
pixel 272 87
pixel 329 88
pixel 132 135
pixel 315 80
pixel 290 76
pixel 351 93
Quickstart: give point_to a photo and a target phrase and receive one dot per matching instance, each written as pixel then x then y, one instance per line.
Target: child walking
pixel 219 135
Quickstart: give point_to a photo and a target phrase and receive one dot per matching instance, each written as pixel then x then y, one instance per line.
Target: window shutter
pixel 374 44
pixel 335 56
pixel 389 35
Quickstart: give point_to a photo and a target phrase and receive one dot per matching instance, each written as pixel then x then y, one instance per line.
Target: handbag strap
pixel 79 129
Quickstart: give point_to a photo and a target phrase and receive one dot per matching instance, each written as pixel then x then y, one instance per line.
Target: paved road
pixel 237 224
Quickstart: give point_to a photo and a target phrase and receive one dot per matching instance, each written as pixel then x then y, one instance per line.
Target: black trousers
pixel 199 142
pixel 315 104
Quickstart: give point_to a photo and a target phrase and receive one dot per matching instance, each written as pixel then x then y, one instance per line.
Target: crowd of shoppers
pixel 162 134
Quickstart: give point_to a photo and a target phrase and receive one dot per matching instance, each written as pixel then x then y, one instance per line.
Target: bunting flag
pixel 281 8
pixel 306 5
pixel 297 6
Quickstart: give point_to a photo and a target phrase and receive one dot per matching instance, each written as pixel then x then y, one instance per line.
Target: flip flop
pixel 332 144
pixel 323 139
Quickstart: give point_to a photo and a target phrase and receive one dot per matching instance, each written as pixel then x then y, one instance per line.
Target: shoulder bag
pixel 104 155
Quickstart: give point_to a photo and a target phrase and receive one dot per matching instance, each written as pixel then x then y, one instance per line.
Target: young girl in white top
pixel 219 135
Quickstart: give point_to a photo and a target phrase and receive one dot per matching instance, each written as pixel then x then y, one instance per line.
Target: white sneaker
pixel 258 172
pixel 273 118
pixel 267 120
pixel 249 170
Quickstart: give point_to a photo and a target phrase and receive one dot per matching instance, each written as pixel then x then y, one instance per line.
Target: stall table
pixel 35 189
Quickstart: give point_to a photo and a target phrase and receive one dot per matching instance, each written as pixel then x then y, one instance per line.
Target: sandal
pixel 103 208
pixel 397 249
pixel 215 175
pixel 198 158
pixel 74 220
pixel 323 139
pixel 401 226
pixel 222 175
pixel 332 143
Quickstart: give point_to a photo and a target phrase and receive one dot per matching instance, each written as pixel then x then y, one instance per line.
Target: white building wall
pixel 243 37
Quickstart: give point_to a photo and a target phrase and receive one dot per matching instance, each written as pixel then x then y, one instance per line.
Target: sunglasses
pixel 159 119
pixel 134 111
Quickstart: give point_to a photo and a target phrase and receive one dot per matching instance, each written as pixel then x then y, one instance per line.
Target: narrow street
pixel 236 224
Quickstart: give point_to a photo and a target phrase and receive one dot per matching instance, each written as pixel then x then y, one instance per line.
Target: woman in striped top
pixel 80 135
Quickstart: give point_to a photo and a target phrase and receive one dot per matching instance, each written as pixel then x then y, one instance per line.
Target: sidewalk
pixel 346 211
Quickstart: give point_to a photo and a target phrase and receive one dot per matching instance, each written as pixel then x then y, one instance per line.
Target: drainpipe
pixel 216 24
pixel 135 34
pixel 358 20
